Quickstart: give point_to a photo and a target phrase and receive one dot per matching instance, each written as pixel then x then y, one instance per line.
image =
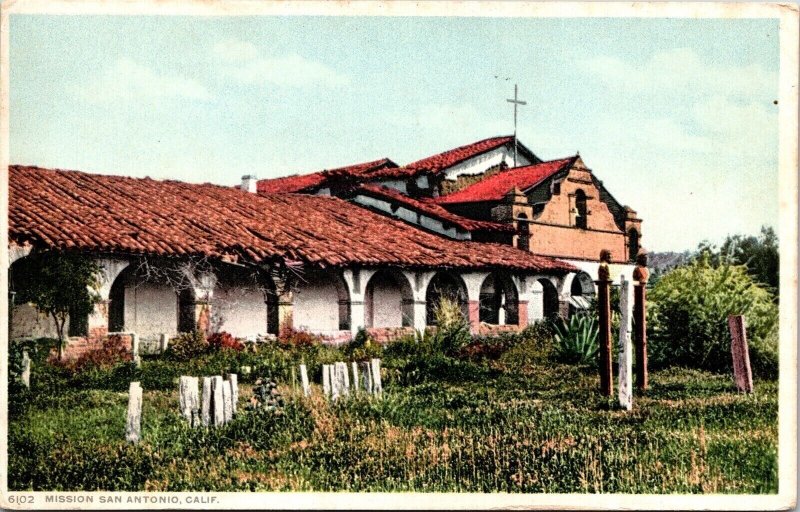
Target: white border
pixel 787 113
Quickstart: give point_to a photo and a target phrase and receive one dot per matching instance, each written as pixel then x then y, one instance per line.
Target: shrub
pixel 452 333
pixel 112 352
pixel 363 347
pixel 290 338
pixel 575 340
pixel 224 341
pixel 187 345
pixel 688 317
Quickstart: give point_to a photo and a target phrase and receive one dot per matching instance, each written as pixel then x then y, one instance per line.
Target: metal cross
pixel 516 102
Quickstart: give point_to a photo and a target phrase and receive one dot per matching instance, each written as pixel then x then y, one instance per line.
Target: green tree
pixel 688 312
pixel 59 285
pixel 758 253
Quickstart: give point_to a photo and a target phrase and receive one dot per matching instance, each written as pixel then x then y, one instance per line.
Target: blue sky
pixel 675 116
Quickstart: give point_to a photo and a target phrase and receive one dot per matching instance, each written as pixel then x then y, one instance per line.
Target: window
pixel 633 244
pixel 580 209
pixel 556 188
pixel 523 233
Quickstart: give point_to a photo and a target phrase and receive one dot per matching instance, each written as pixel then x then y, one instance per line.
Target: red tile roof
pixel 72 210
pixel 496 186
pixel 428 207
pixel 316 180
pixel 452 157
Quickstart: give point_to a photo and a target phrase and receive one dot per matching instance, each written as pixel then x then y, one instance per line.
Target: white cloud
pixel 127 79
pixel 681 71
pixel 235 50
pixel 242 63
pixel 746 128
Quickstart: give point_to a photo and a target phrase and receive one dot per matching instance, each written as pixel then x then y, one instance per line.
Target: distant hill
pixel 661 262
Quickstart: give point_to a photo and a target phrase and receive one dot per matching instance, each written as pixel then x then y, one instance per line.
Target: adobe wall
pixel 316 307
pixel 239 311
pixel 27 322
pixel 571 242
pixel 384 305
pixel 151 309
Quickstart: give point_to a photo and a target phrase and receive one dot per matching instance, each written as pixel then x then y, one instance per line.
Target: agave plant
pixel 576 339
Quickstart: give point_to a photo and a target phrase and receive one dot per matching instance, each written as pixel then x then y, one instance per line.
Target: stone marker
pixel 377 385
pixel 304 380
pixel 189 399
pixel 742 373
pixel 354 366
pixel 234 380
pixel 133 425
pixel 26 369
pixel 135 349
pixel 343 378
pixel 326 380
pixel 336 389
pixel 163 342
pixel 217 405
pixel 625 361
pixel 227 401
pixel 366 372
pixel 207 399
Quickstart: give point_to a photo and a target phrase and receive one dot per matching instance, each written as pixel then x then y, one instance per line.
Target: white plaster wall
pixel 151 309
pixel 316 307
pixel 386 305
pixel 240 311
pixel 27 322
pixel 479 164
pixel 413 217
pixel 395 184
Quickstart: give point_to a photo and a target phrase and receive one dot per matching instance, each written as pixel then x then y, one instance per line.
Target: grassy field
pixel 514 424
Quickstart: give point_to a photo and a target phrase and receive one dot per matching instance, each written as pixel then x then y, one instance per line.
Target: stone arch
pixel 499 300
pixel 633 244
pixel 581 292
pixel 389 300
pixel 546 302
pixel 445 284
pixel 148 307
pixel 580 209
pixel 322 303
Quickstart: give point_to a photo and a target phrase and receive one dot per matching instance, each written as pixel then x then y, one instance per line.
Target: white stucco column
pixel 525 296
pixel 110 269
pixel 356 280
pixel 16 252
pixel 473 281
pixel 419 287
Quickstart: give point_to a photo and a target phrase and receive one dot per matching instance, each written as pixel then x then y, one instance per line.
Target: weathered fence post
pixel 137 360
pixel 343 376
pixel 189 399
pixel 163 342
pixel 742 373
pixel 207 392
pixel 217 405
pixel 625 363
pixel 366 371
pixel 227 403
pixel 26 369
pixel 604 301
pixel 304 380
pixel 640 276
pixel 377 385
pixel 133 425
pixel 234 380
pixel 354 366
pixel 326 380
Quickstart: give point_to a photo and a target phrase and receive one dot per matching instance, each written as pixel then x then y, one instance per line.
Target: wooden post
pixel 354 366
pixel 343 376
pixel 227 401
pixel 366 372
pixel 326 380
pixel 377 385
pixel 625 363
pixel 234 380
pixel 189 399
pixel 742 373
pixel 207 396
pixel 604 302
pixel 217 405
pixel 640 277
pixel 26 369
pixel 133 425
pixel 304 380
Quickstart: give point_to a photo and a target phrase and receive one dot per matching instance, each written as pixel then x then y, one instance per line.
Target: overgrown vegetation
pixel 688 317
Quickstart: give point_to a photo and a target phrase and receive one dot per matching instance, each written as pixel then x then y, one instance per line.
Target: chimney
pixel 249 183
